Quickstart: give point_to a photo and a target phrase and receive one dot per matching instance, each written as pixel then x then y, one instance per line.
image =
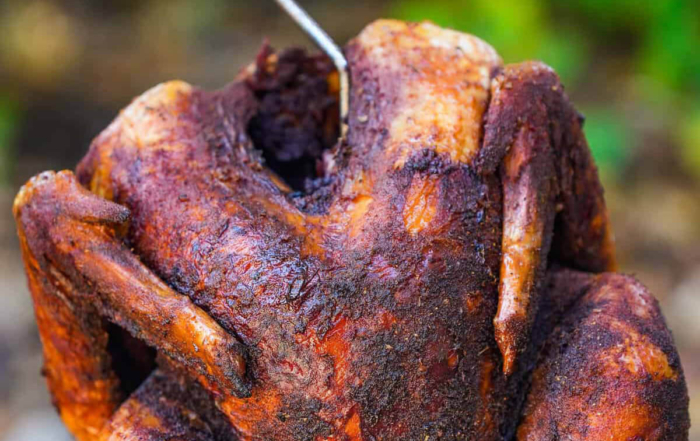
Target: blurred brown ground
pixel 68 66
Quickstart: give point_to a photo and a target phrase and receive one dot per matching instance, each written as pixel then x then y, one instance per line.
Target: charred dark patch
pixel 297 118
pixel 429 161
pixel 299 416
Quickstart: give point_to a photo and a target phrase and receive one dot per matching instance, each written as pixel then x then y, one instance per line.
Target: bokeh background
pixel 631 66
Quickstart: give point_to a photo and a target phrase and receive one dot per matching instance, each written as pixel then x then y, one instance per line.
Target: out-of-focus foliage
pixel 40 40
pixel 689 140
pixel 608 138
pixel 9 118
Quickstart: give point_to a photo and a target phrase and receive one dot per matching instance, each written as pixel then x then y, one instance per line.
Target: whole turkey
pixel 220 268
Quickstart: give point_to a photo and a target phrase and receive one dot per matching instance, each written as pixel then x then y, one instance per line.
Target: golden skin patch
pixel 445 87
pixel 421 204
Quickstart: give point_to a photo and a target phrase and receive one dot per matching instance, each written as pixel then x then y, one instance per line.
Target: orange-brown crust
pixel 609 370
pixel 77 364
pixel 551 194
pixel 78 272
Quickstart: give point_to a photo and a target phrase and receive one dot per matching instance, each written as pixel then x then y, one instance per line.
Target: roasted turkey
pixel 220 268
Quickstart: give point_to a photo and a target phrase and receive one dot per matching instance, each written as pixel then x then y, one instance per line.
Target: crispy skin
pixel 609 370
pixel 362 308
pixel 167 407
pixel 533 137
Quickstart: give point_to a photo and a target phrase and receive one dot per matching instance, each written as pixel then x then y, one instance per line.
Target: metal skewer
pixel 327 45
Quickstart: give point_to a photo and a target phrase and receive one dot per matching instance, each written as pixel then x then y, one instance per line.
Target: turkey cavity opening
pixel 132 360
pixel 298 114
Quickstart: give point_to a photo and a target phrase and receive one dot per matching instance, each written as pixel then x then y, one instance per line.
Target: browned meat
pixel 384 288
pixel 609 370
pixel 167 407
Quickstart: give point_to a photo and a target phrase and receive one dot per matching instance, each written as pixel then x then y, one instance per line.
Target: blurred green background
pixel 631 66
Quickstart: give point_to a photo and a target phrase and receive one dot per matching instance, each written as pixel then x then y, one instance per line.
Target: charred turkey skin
pixel 440 274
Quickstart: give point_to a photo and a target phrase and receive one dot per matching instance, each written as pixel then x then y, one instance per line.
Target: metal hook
pixel 326 43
